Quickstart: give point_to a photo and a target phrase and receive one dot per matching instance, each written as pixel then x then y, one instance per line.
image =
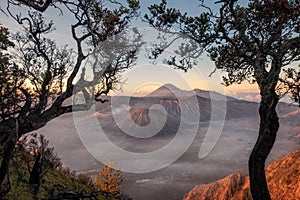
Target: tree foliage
pixel 290 84
pixel 109 180
pixel 10 77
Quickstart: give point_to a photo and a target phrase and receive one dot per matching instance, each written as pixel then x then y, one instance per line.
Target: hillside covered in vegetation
pixel 37 173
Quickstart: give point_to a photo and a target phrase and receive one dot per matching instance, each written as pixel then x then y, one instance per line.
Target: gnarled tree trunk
pixel 9 137
pixel 35 179
pixel 4 168
pixel 269 125
pixel 7 155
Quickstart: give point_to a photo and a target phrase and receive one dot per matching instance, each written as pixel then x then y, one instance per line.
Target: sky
pixel 145 76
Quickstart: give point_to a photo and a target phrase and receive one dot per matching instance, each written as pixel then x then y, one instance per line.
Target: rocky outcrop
pixel 283 181
pixel 234 186
pixel 283 177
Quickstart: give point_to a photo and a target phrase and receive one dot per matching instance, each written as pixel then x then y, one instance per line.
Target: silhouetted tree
pixel 250 41
pixel 290 84
pixel 8 100
pixel 48 74
pixel 44 159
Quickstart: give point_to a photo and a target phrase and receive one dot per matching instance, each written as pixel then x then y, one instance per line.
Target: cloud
pixel 249 96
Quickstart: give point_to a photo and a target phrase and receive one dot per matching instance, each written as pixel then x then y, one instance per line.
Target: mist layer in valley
pixel 171 112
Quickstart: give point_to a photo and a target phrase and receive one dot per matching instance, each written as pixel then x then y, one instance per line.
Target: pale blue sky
pixel 145 74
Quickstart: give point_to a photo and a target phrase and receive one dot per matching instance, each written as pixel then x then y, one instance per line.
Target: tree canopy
pixel 250 41
pixel 39 75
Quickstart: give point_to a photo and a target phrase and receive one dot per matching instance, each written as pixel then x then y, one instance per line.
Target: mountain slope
pixel 168 90
pixel 290 124
pixel 213 95
pixel 283 181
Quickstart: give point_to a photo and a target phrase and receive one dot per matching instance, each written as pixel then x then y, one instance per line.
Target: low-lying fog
pixel 229 155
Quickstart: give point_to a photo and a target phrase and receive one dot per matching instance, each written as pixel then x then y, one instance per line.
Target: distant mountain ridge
pixel 169 90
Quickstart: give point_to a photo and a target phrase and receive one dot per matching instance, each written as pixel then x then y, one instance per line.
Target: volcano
pixel 172 106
